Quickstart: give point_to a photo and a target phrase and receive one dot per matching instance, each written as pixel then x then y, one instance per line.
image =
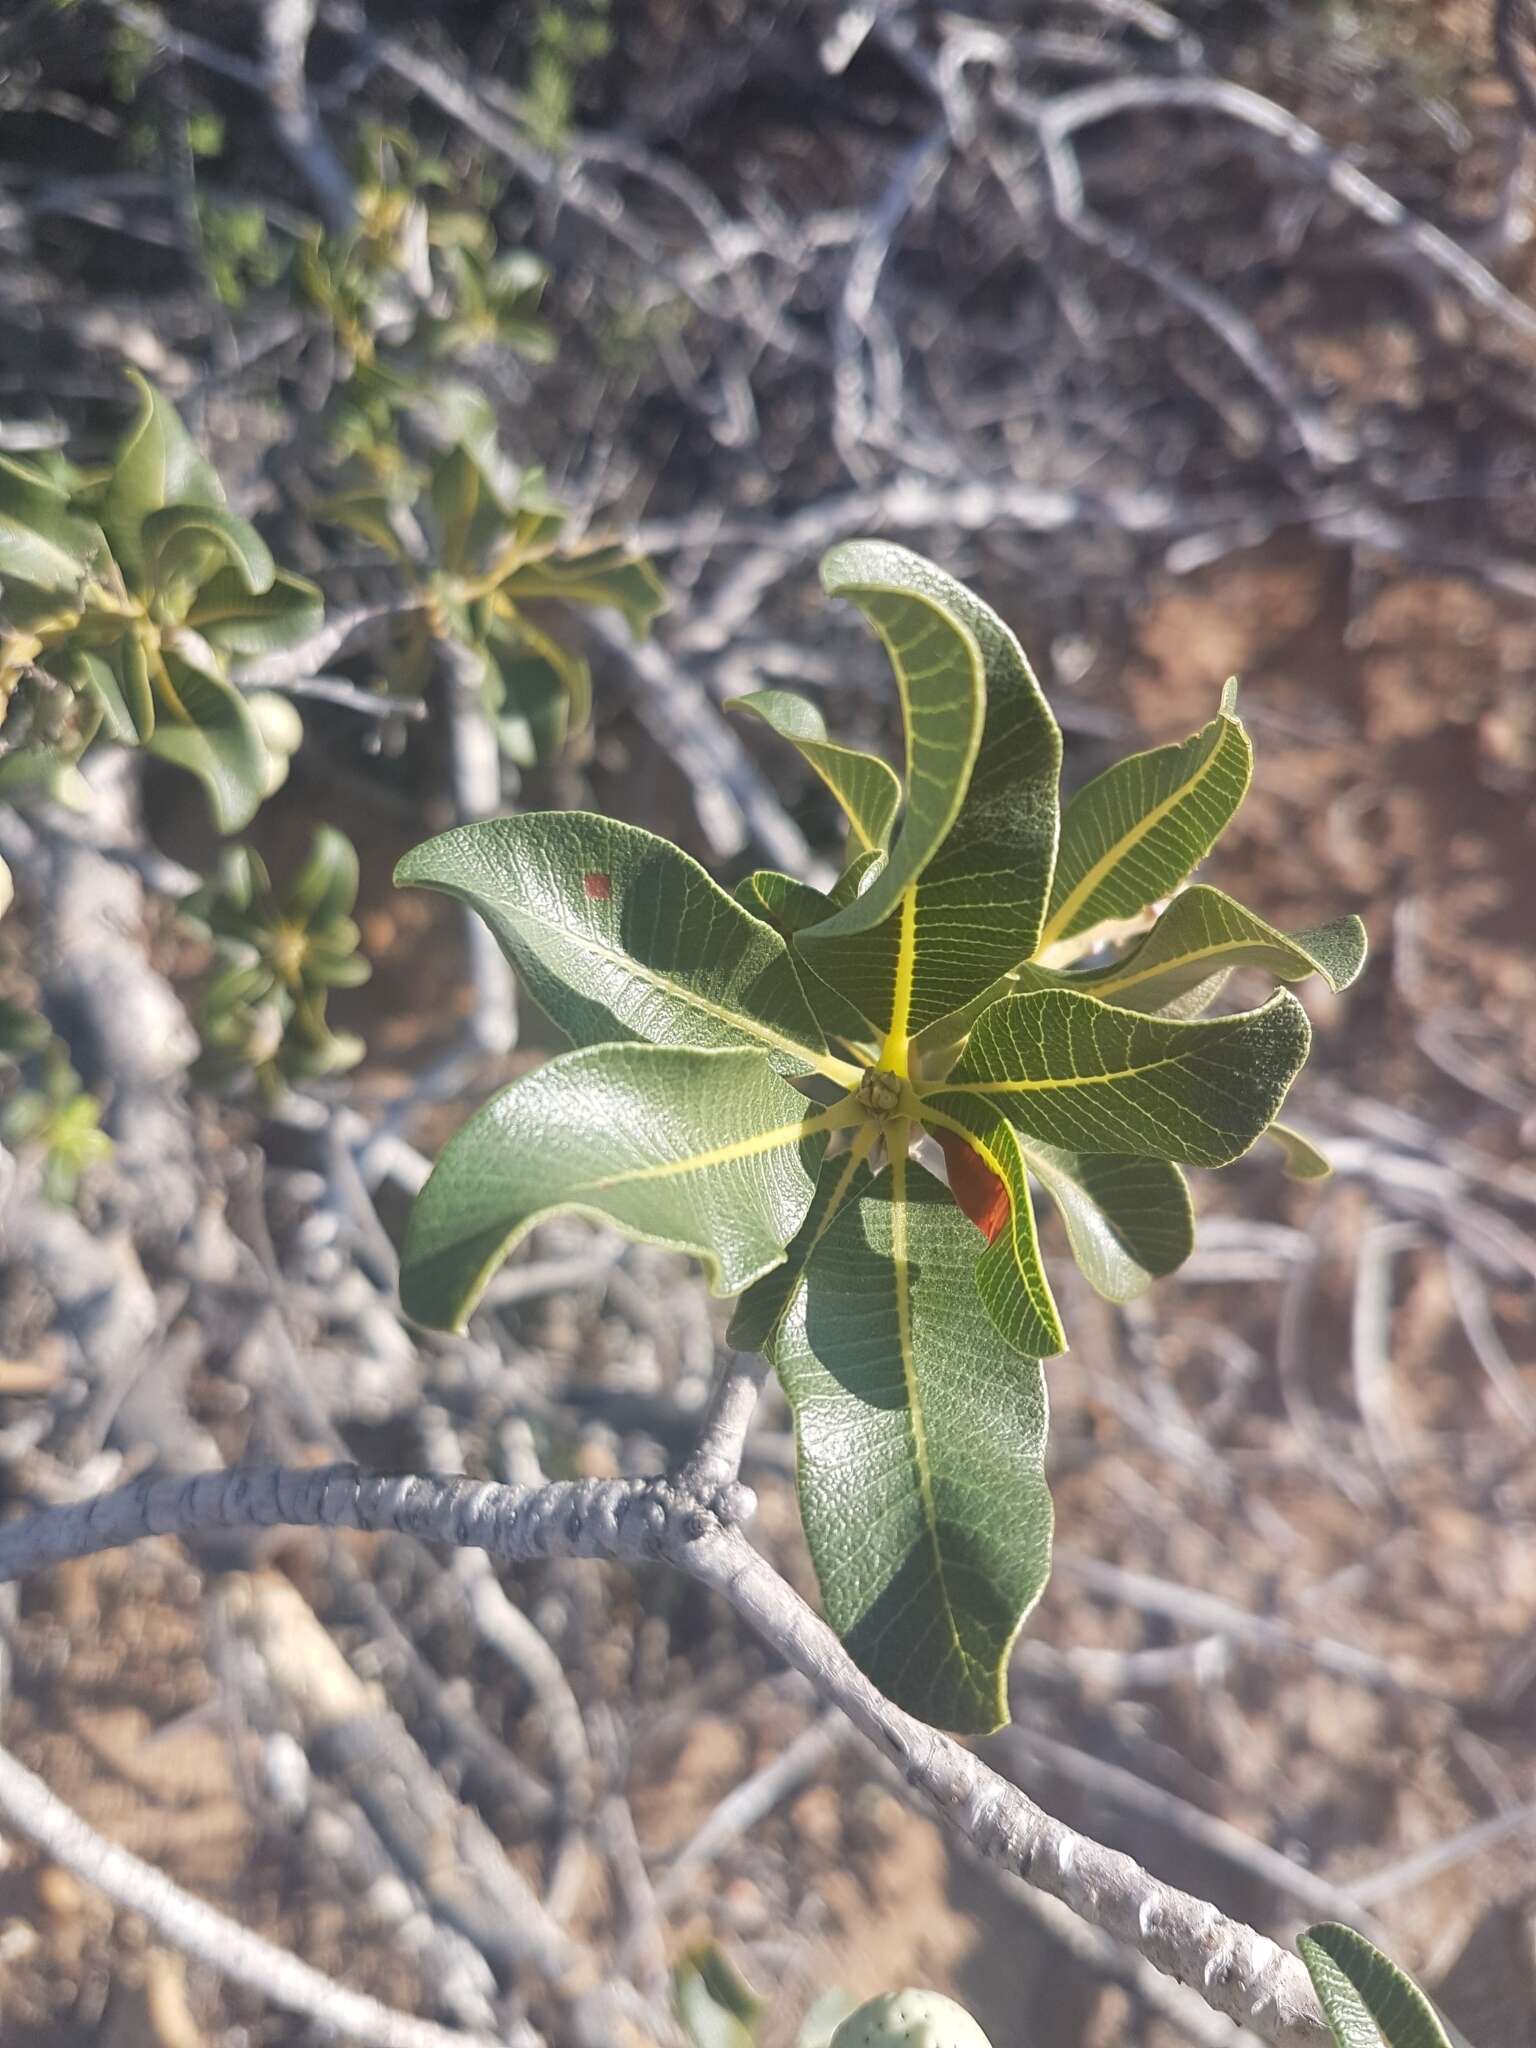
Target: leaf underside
pixel 1202 934
pixel 1369 2002
pixel 940 678
pixel 708 1152
pixel 867 789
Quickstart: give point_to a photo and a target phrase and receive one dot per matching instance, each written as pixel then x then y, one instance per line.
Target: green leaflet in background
pixel 240 621
pixel 42 542
pixel 158 464
pixel 192 540
pixel 204 725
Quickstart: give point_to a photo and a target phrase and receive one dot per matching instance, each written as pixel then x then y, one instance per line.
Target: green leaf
pixel 1204 933
pixel 466 513
pixel 619 935
pixel 325 888
pixel 1369 2001
pixel 543 690
pixel 1303 1161
pixel 610 576
pixel 243 622
pixel 793 905
pixel 41 541
pixel 204 725
pixel 921 1439
pixel 1009 1272
pixel 843 1177
pixel 1085 1076
pixel 1134 832
pixel 158 464
pixel 715 2005
pixel 866 787
pixel 705 1152
pixel 461 416
pixel 979 904
pixel 1129 1221
pixel 121 692
pixel 369 513
pixel 131 660
pixel 187 540
pixel 789 905
pixel 943 702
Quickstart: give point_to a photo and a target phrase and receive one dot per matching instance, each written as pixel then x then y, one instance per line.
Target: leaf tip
pixel 1229 698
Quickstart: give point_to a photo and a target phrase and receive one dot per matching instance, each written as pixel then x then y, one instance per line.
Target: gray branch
pixel 1237 1971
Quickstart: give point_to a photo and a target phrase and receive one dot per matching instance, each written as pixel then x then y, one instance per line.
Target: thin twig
pixel 749 1802
pixel 32 1810
pixel 1091 104
pixel 716 1457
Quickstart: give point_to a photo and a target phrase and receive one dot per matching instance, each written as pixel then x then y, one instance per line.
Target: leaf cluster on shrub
pixel 51 1114
pixel 125 594
pixel 277 958
pixel 751 1073
pixel 479 544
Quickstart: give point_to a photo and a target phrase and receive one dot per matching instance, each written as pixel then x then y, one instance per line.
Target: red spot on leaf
pixel 598 887
pixel 974 1185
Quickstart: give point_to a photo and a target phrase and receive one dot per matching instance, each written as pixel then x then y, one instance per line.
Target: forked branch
pixel 1236 1970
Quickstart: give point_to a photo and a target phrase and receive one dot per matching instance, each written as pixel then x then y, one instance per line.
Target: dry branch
pixel 28 1806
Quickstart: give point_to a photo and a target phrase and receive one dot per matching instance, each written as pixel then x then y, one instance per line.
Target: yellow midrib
pixel 813 750
pixel 863 1145
pixel 894 1053
pixel 1171 1059
pixel 834 1069
pixel 901 1276
pixel 1170 965
pixel 835 1119
pixel 1084 888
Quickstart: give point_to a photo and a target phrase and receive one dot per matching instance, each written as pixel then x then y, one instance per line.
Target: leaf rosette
pixel 126 597
pixel 492 559
pixel 1032 987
